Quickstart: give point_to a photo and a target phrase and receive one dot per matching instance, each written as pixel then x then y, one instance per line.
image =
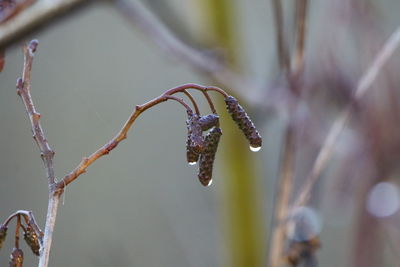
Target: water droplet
pixel 192 163
pixel 210 182
pixel 255 149
pixel 383 200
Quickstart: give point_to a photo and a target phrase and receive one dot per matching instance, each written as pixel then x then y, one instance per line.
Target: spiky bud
pixel 32 240
pixel 208 121
pixel 243 121
pixel 195 134
pixel 208 156
pixel 3 234
pixel 16 258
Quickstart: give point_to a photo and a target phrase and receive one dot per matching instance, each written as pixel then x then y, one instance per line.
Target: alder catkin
pixel 191 156
pixel 32 240
pixel 208 156
pixel 16 258
pixel 3 234
pixel 243 121
pixel 195 134
pixel 208 121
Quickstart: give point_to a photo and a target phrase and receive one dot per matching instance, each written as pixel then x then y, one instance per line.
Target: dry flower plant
pixel 199 148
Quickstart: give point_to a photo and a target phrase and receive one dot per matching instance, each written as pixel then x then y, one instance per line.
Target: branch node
pixel 110 147
pixel 33 46
pixel 36 116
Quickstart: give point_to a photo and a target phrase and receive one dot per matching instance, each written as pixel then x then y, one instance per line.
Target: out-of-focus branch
pixel 301 30
pixel 281 45
pixel 43 13
pixel 363 85
pixel 202 61
pixel 293 68
pixel 282 198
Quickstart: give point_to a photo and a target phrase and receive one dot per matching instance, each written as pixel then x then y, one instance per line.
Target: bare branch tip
pixel 33 46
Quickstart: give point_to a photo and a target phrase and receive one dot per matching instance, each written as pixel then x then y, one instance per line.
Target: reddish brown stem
pixel 196 107
pixel 122 134
pixel 210 103
pixel 281 44
pixel 17 231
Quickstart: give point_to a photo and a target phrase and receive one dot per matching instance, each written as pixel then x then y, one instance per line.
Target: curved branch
pixel 196 107
pixel 35 17
pixel 122 134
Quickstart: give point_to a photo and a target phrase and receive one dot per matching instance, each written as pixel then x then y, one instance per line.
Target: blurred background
pixel 143 205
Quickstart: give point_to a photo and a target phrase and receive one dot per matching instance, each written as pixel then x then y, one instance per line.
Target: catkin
pixel 191 156
pixel 32 240
pixel 16 258
pixel 243 121
pixel 3 234
pixel 195 134
pixel 208 156
pixel 208 121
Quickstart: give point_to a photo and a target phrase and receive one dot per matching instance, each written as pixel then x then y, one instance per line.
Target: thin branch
pixel 23 90
pixel 17 231
pixel 47 154
pixel 42 13
pixel 286 174
pixel 195 106
pixel 180 101
pixel 301 30
pixel 210 103
pixel 281 208
pixel 281 45
pixel 363 85
pixel 122 134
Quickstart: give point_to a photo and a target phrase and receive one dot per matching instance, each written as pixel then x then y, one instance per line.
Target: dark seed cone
pixel 195 134
pixel 3 234
pixel 303 252
pixel 243 121
pixel 191 156
pixel 16 258
pixel 208 121
pixel 32 240
pixel 208 156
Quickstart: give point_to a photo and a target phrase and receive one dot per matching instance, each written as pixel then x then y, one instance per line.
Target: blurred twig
pixel 301 29
pixel 281 45
pixel 363 85
pixel 45 12
pixel 285 184
pixel 286 174
pixel 42 13
pixel 202 61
